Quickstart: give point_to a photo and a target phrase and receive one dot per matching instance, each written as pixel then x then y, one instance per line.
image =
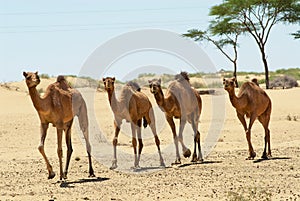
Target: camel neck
pixel 35 97
pixel 160 99
pixel 233 98
pixel 112 99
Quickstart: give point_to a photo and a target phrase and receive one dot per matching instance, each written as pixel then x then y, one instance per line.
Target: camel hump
pixel 63 82
pixel 135 86
pixel 60 78
pixel 255 81
pixel 182 76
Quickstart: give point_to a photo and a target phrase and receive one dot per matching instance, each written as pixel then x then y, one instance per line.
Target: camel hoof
pixel 162 164
pixel 200 160
pixel 65 175
pixel 113 165
pixel 252 156
pixel 51 175
pixel 195 159
pixel 135 167
pixel 187 153
pixel 264 156
pixel 177 162
pixel 92 175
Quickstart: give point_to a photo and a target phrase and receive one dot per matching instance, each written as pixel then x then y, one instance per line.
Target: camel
pixel 58 106
pixel 184 102
pixel 133 106
pixel 253 102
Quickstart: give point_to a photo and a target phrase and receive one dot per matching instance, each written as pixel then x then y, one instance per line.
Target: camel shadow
pixel 70 184
pixel 202 163
pixel 273 158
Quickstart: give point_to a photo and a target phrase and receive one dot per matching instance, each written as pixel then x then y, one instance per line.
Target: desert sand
pixel 225 174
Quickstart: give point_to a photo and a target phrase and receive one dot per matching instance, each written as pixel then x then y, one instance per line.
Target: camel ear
pixel 25 74
pixel 224 79
pixel 113 78
pixel 149 81
pixel 233 79
pixel 103 79
pixel 36 72
pixel 159 81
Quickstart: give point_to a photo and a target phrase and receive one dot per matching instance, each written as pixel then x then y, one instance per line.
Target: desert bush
pixel 44 76
pixel 215 85
pixel 198 85
pixel 284 82
pixel 41 90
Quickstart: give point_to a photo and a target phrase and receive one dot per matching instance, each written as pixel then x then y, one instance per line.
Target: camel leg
pixel 139 135
pixel 67 130
pixel 252 154
pixel 151 121
pixel 172 125
pixel 88 149
pixel 84 126
pixel 134 144
pixel 44 128
pixel 242 120
pixel 264 120
pixel 200 157
pixel 241 117
pixel 59 151
pixel 196 141
pixel 117 125
pixel 186 151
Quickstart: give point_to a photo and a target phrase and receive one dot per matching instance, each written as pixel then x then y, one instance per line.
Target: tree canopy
pixel 253 17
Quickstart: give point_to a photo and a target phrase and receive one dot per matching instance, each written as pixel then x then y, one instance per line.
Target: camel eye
pixel 28 77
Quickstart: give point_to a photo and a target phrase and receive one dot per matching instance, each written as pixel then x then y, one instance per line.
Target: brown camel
pixel 59 106
pixel 253 102
pixel 133 106
pixel 184 102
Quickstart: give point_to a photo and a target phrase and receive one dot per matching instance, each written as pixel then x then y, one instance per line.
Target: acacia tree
pixel 227 33
pixel 257 17
pixel 296 35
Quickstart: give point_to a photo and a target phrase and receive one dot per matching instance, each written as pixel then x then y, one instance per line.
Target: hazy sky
pixel 56 37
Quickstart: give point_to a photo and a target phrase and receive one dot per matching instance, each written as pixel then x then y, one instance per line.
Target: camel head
pixel 32 79
pixel 155 85
pixel 229 83
pixel 109 83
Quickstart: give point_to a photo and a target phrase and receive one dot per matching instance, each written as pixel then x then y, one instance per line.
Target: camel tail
pixel 83 118
pixel 145 122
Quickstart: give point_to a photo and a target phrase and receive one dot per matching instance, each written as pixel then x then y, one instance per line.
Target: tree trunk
pixel 263 54
pixel 234 74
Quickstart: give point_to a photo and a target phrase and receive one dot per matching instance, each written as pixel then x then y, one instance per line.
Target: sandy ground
pixel 225 174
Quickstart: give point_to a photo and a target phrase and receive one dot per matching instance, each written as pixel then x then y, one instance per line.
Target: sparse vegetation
pixel 290 117
pixel 245 194
pixel 198 85
pixel 44 76
pixel 146 75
